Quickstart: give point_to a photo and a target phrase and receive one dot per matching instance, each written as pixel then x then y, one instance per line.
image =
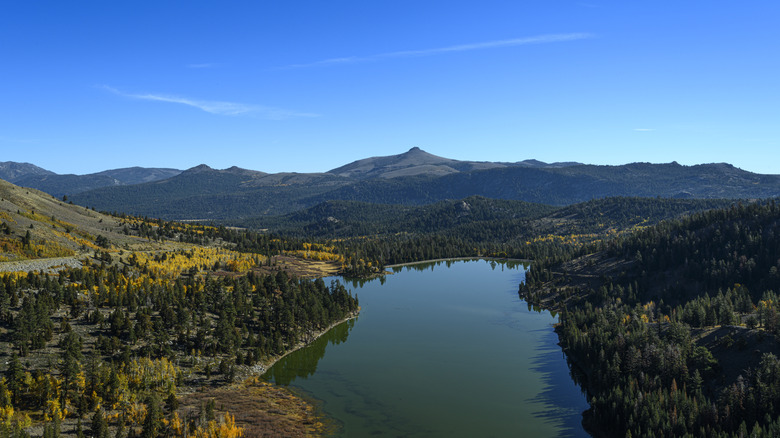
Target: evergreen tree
pixel 99 425
pixel 153 421
pixel 15 378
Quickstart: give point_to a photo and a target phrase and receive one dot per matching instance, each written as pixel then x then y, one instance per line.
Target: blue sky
pixel 311 85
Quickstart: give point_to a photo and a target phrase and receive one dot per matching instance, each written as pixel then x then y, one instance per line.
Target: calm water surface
pixel 445 349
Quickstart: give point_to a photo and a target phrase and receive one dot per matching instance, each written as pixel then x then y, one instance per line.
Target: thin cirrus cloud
pixel 217 107
pixel 538 39
pixel 644 129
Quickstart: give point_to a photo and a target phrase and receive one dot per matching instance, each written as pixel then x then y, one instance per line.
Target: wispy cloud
pixel 205 65
pixel 538 39
pixel 217 107
pixel 644 129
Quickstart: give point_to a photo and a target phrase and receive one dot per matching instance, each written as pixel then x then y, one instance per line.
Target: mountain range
pixel 30 175
pixel 411 178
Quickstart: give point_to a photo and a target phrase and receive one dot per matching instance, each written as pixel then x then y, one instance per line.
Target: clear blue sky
pixel 311 85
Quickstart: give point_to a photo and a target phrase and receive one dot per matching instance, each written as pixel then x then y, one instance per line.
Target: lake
pixel 444 349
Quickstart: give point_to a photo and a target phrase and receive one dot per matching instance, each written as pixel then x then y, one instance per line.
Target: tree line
pixel 642 336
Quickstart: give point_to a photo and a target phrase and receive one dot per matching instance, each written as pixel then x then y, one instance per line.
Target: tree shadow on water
pixel 562 401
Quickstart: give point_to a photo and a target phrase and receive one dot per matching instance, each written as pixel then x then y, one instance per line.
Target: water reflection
pixel 409 370
pixel 430 265
pixel 303 363
pixel 558 410
pixel 358 283
pixel 539 309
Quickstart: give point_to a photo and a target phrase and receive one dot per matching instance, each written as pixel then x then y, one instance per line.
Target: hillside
pixel 414 162
pixel 333 219
pixel 35 225
pixel 419 178
pixel 380 235
pixel 138 175
pixel 28 175
pixel 417 162
pixel 497 219
pixel 673 322
pixel 130 325
pixel 203 193
pixel 11 171
pixel 671 290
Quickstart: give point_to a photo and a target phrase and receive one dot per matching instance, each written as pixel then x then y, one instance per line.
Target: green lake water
pixel 440 350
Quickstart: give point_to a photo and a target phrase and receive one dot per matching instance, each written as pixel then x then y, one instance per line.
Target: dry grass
pixel 60 224
pixel 261 409
pixel 300 267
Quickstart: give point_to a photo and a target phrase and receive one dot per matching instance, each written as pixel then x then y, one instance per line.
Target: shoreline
pixel 266 366
pixel 455 259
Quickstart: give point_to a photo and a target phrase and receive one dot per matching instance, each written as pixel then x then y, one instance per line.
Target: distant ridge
pixel 139 175
pixel 537 163
pixel 11 171
pixel 29 175
pixel 414 162
pixel 416 177
pixel 417 162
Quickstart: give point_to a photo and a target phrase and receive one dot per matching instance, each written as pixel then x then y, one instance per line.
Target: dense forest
pixel 657 298
pixel 113 342
pixel 672 328
pixel 375 235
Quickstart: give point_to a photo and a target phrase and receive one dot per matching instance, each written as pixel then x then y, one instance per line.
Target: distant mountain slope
pixel 503 220
pixel 29 175
pixel 60 185
pixel 207 194
pixel 204 193
pixel 537 163
pixel 351 218
pixel 414 162
pixel 138 175
pixel 11 171
pixel 568 185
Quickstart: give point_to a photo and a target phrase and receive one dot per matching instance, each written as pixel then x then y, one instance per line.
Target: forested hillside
pixel 667 305
pixel 673 328
pixel 351 218
pixel 417 178
pixel 28 175
pixel 113 336
pixel 388 234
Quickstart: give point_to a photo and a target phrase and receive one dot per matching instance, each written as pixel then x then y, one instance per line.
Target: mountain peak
pixel 415 161
pixel 13 171
pixel 199 168
pixel 235 170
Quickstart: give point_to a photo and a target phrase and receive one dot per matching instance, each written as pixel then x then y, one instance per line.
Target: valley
pixel 389 219
pixel 158 326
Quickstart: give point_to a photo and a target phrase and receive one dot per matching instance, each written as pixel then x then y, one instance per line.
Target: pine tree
pixel 99 425
pixel 79 430
pixel 15 378
pixel 151 425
